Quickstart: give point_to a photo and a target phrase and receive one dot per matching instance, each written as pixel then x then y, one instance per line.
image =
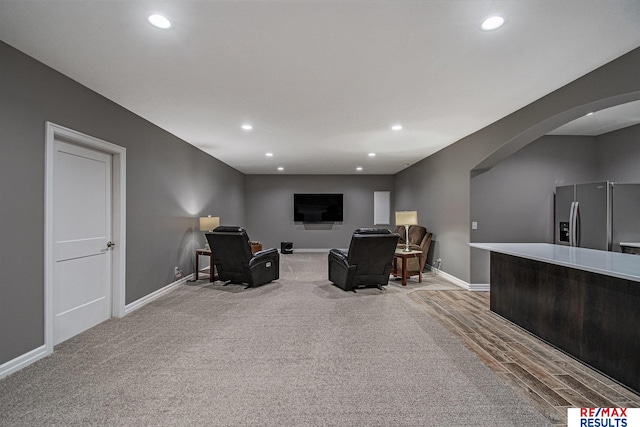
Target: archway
pixel 513 199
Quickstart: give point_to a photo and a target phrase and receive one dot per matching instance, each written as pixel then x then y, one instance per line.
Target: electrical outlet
pixel 474 225
pixel 177 273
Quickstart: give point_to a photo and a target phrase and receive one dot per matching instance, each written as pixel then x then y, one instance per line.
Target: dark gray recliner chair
pixel 368 262
pixel 234 261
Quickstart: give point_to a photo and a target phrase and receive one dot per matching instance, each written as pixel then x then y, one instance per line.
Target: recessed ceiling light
pixel 396 127
pixel 269 154
pixel 588 114
pixel 247 127
pixel 159 21
pixel 492 23
pixel 372 154
pixel 280 168
pixel 359 168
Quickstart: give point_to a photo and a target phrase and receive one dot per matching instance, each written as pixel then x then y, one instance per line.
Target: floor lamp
pixel 406 218
pixel 208 223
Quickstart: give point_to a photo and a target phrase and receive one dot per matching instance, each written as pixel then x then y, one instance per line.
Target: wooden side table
pixel 404 256
pixel 206 270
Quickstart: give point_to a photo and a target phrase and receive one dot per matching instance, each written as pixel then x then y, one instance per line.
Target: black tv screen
pixel 317 207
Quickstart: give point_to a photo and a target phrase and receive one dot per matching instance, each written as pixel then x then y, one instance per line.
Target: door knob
pixel 110 244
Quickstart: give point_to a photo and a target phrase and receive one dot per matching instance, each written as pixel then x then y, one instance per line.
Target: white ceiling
pixel 322 81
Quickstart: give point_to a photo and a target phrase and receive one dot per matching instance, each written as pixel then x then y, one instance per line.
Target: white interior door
pixel 82 201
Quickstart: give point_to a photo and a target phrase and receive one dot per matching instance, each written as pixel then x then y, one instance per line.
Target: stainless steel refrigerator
pixel 583 215
pixel 597 215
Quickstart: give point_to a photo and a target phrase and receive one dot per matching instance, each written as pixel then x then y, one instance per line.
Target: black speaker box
pixel 286 247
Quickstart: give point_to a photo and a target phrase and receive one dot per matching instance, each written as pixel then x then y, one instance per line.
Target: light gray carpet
pixel 296 352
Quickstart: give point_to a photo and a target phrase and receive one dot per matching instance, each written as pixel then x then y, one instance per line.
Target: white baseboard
pixel 453 279
pixel 155 295
pixel 22 361
pixel 475 287
pixel 480 287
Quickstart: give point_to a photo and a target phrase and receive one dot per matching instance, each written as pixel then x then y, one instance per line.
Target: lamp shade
pixel 208 223
pixel 406 217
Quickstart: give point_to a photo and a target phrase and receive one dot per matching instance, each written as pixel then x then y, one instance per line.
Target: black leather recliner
pixel 368 262
pixel 234 261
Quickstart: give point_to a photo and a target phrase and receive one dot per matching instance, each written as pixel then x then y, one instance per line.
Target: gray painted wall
pixel 619 154
pixel 522 185
pixel 169 184
pixel 269 208
pixel 439 186
pixel 513 201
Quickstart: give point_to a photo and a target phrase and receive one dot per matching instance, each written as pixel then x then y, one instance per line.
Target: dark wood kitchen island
pixel 583 301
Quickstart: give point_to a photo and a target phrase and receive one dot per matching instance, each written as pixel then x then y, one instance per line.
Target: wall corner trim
pixel 23 361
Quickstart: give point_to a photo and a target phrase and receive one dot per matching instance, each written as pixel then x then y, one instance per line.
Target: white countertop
pixel 616 264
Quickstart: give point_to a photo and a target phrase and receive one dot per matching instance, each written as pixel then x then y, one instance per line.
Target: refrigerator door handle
pixel 576 224
pixel 571 224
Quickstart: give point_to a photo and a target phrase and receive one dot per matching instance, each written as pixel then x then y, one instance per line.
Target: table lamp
pixel 406 218
pixel 208 223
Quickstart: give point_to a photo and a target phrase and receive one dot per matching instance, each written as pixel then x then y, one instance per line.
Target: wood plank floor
pixel 550 379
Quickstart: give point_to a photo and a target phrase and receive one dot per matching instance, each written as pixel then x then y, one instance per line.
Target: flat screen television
pixel 317 207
